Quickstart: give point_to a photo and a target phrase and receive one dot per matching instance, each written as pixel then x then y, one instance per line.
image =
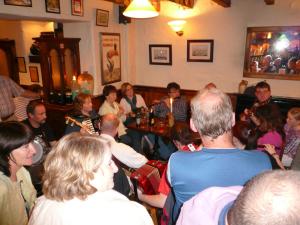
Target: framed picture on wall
pixel 160 54
pixel 77 7
pixel 102 17
pixel 27 3
pixel 200 50
pixel 110 56
pixel 21 64
pixel 34 74
pixel 52 6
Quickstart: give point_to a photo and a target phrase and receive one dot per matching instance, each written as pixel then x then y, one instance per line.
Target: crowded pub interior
pixel 146 112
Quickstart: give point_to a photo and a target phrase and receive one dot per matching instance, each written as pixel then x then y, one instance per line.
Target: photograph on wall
pixel 102 17
pixel 200 50
pixel 110 56
pixel 160 54
pixel 34 74
pixel 21 64
pixel 27 3
pixel 77 7
pixel 52 6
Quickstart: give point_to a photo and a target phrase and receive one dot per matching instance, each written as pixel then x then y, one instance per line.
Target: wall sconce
pixel 177 26
pixel 140 9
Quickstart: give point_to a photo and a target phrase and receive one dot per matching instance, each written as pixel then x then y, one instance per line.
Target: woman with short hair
pixel 78 184
pixel 17 194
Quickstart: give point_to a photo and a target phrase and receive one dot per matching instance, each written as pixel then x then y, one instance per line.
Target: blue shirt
pixel 192 172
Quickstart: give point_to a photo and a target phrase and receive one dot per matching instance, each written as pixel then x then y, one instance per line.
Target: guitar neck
pixel 70 119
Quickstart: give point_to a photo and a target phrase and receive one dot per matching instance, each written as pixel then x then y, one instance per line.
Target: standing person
pixel 83 113
pixel 83 193
pixel 179 106
pixel 219 163
pixel 292 136
pixel 17 194
pixel 131 102
pixel 8 90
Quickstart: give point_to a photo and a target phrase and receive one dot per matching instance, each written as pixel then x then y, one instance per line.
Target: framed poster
pixel 34 74
pixel 21 64
pixel 102 17
pixel 52 6
pixel 77 7
pixel 27 3
pixel 110 56
pixel 160 54
pixel 200 50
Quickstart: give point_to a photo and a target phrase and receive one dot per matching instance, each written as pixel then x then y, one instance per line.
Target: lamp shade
pixel 140 9
pixel 177 25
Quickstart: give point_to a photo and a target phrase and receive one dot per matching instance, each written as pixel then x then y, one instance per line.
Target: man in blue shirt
pixel 219 163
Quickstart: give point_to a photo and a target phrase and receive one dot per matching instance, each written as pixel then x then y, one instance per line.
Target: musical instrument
pixel 86 124
pixel 42 149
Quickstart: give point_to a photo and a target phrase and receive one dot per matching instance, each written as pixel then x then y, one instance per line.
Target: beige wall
pixel 227 26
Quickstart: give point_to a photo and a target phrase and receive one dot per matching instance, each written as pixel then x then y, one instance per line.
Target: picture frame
pixel 200 50
pixel 52 6
pixel 25 3
pixel 160 54
pixel 21 64
pixel 77 7
pixel 110 57
pixel 102 17
pixel 34 74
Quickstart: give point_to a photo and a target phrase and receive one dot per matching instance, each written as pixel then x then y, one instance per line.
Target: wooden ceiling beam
pixel 269 2
pixel 224 3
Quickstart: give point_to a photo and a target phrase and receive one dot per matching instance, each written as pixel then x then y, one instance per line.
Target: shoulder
pixel 4 185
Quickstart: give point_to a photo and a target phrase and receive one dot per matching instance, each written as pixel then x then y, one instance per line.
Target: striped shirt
pixel 179 109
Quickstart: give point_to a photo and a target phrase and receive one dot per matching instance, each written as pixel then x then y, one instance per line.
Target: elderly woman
pixel 17 194
pixel 78 185
pixel 84 114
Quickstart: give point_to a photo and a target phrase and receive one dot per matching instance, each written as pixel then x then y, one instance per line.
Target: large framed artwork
pixel 200 50
pixel 160 54
pixel 110 56
pixel 27 3
pixel 52 6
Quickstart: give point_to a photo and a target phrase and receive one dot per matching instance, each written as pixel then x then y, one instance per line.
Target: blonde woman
pixel 78 184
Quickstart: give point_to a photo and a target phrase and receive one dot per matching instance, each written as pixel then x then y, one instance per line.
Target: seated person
pixel 277 64
pixel 82 193
pixel 291 66
pixel 84 114
pixel 131 102
pixel 267 65
pixel 179 105
pixel 17 194
pixel 236 205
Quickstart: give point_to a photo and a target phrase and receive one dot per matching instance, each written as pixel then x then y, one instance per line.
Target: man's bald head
pixel 109 124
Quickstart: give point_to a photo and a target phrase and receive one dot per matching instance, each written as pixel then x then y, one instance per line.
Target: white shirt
pixel 109 208
pixel 125 153
pixel 139 103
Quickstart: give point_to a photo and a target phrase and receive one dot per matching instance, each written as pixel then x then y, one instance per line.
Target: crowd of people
pixel 228 179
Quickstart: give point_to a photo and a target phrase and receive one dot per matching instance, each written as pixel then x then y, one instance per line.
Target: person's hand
pixel 84 130
pixel 139 194
pixel 167 102
pixel 121 111
pixel 131 114
pixel 270 149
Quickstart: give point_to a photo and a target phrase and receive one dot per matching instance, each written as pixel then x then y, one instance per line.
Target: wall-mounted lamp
pixel 177 26
pixel 140 9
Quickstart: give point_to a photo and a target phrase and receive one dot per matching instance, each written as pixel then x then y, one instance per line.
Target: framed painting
pixel 160 54
pixel 200 50
pixel 26 3
pixel 52 6
pixel 77 7
pixel 34 74
pixel 110 56
pixel 102 17
pixel 21 64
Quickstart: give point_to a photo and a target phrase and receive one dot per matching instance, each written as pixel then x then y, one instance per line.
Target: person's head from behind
pixel 109 124
pixel 16 149
pixel 83 103
pixel 36 112
pixel 293 117
pixel 173 90
pixel 262 91
pixel 78 166
pixel 270 198
pixel 181 135
pixel 127 90
pixel 110 93
pixel 210 85
pixel 212 114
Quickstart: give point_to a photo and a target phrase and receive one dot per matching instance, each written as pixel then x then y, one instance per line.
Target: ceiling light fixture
pixel 140 9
